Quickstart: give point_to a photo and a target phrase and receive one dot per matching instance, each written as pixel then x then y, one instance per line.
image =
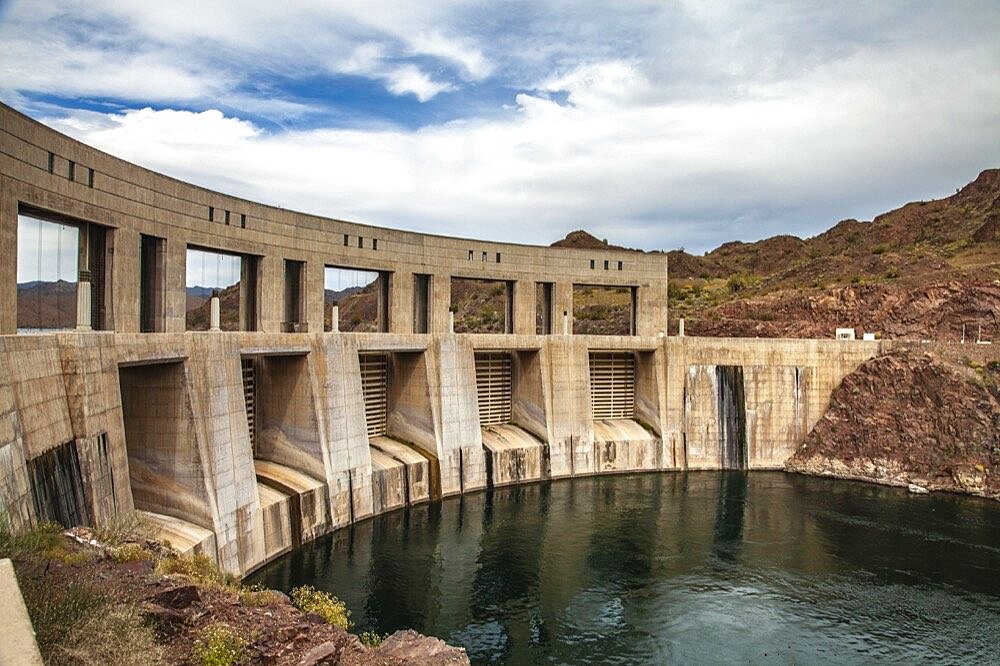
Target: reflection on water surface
pixel 655 568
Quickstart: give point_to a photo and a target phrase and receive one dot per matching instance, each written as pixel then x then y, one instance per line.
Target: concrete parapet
pixel 17 637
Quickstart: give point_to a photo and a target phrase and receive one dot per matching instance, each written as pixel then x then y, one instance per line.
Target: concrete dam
pixel 244 443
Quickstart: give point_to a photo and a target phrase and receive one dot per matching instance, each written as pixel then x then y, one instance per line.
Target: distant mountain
pixel 43 304
pixel 196 296
pixel 331 296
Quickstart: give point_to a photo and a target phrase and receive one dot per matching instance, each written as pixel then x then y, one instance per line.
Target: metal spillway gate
pixel 375 388
pixel 493 387
pixel 612 385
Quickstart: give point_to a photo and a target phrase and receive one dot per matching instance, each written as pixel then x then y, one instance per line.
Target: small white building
pixel 845 334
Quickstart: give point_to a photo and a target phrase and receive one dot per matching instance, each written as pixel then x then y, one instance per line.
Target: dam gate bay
pixel 251 415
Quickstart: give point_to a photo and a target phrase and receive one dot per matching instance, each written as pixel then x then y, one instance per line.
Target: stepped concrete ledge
pixel 17 637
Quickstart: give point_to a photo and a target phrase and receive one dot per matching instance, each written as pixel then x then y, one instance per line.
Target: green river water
pixel 699 567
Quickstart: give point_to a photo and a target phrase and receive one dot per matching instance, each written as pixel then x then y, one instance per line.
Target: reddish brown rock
pixel 412 649
pixel 909 418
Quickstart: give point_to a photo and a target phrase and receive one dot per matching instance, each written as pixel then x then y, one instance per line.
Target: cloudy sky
pixel 653 124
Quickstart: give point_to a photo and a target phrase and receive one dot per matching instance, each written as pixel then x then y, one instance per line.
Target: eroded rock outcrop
pixel 909 418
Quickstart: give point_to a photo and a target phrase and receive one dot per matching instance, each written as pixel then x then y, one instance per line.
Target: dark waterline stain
pixel 759 567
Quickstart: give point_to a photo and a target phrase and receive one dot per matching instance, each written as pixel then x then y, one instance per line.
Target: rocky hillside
pixel 115 596
pixel 912 418
pixel 920 271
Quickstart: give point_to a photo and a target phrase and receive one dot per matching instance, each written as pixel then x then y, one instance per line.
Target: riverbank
pixel 927 421
pixel 115 596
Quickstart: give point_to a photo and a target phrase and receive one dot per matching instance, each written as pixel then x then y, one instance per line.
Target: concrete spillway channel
pixel 400 474
pixel 294 507
pixel 512 455
pixel 622 445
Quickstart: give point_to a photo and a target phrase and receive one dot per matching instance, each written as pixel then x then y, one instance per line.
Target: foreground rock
pixel 909 419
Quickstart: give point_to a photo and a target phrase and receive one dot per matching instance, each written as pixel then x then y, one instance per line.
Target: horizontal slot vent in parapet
pixel 375 388
pixel 612 385
pixel 493 387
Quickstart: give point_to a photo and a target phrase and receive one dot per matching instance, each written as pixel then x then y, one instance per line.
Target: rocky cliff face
pixel 911 418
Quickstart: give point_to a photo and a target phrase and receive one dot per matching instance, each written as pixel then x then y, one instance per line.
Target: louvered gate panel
pixel 375 387
pixel 612 385
pixel 493 387
pixel 250 398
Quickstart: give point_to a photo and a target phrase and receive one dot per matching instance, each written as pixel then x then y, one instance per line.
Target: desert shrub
pixel 38 540
pixel 310 600
pixel 80 624
pixel 257 595
pixel 881 248
pixel 81 556
pixel 737 283
pixel 857 279
pixel 219 645
pixel 993 366
pixel 130 552
pixel 126 526
pixel 892 273
pixel 372 638
pixel 199 568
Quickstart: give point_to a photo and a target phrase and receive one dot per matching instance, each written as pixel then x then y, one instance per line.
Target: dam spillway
pixel 246 441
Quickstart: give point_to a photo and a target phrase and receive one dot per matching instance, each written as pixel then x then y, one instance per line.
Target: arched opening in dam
pixel 723 567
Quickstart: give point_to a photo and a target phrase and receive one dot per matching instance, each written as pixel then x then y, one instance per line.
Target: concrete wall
pixel 129 201
pixel 172 411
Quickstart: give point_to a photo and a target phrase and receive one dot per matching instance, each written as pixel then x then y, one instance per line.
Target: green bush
pixel 130 552
pixel 310 600
pixel 737 283
pixel 199 568
pixel 219 645
pixel 372 638
pixel 258 595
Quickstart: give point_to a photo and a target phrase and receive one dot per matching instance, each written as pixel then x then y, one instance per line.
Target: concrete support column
pixel 83 309
pixel 571 442
pixel 401 303
pixel 524 307
pixel 451 373
pixel 651 317
pixel 675 353
pixel 124 278
pixel 215 314
pixel 271 291
pixel 175 277
pixel 8 248
pixel 342 419
pixel 562 298
pixel 214 379
pixel 335 318
pixel 440 302
pixel 314 295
